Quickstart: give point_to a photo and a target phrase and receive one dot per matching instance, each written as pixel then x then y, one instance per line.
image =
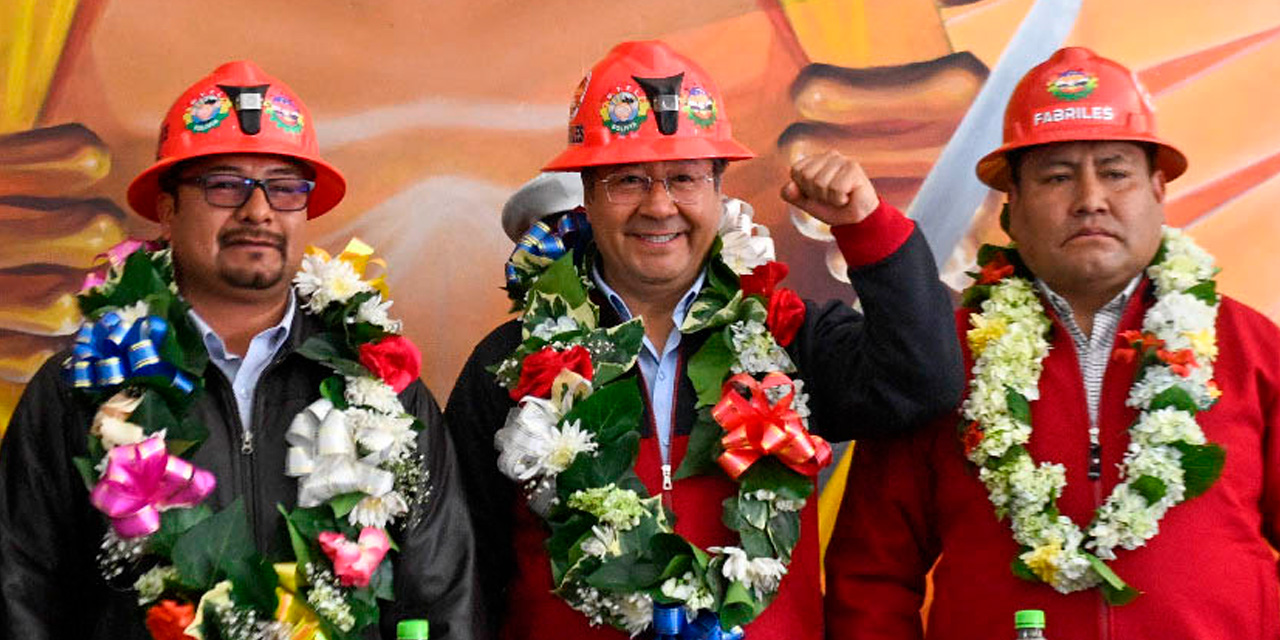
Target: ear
pixel 1157 185
pixel 166 207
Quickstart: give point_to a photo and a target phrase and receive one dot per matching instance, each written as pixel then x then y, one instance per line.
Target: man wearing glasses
pixel 232 189
pixel 653 209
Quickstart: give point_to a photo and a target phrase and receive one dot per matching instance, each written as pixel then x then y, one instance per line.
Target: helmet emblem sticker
pixel 700 107
pixel 207 111
pixel 578 95
pixel 284 113
pixel 624 110
pixel 1072 84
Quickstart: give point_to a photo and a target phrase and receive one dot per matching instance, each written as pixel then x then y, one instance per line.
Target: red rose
pixel 786 314
pixel 167 620
pixel 540 369
pixel 395 359
pixel 996 269
pixel 762 280
pixel 972 437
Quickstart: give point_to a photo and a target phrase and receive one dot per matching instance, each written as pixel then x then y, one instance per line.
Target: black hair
pixel 1013 157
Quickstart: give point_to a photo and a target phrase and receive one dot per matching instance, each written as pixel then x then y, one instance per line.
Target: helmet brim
pixel 993 168
pixel 636 151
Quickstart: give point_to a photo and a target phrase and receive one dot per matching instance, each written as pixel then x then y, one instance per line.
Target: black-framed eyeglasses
pixel 232 191
pixel 630 188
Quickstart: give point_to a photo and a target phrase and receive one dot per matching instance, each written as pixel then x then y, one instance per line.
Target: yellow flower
pixel 984 332
pixel 1204 343
pixel 1043 561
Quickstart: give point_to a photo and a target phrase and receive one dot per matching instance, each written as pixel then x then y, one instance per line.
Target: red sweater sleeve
pixel 883 544
pixel 875 238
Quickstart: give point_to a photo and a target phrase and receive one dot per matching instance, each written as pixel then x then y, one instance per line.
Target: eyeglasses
pixel 232 191
pixel 630 188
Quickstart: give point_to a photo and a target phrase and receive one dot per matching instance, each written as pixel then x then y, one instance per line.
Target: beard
pixel 258 273
pixel 251 278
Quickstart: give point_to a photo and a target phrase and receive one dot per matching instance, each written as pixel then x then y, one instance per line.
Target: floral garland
pixel 573 438
pixel 354 453
pixel 1168 460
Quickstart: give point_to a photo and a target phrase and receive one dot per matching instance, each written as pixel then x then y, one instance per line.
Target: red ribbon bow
pixel 757 429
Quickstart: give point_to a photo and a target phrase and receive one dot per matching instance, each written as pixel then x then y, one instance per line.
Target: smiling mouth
pixel 653 238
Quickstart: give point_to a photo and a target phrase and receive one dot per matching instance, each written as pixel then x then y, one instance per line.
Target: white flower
pixel 552 327
pixel 385 436
pixel 1166 426
pixel 115 433
pixel 378 511
pixel 603 542
pixel 755 349
pixel 760 574
pixel 321 282
pixel 133 313
pixel 635 611
pixel 566 444
pixel 374 311
pixel 150 585
pixel 531 445
pixel 371 392
pixel 691 591
pixel 745 245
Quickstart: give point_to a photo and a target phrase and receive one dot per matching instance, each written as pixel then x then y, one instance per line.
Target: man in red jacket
pixel 1117 459
pixel 605 387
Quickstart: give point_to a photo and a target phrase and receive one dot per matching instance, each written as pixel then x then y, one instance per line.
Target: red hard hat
pixel 1077 95
pixel 238 109
pixel 645 103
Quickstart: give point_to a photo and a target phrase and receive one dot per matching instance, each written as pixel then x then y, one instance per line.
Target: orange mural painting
pixel 438 111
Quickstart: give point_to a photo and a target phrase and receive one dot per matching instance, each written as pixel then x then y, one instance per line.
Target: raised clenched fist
pixel 831 187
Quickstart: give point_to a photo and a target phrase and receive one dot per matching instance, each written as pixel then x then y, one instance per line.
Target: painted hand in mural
pixel 832 188
pixel 50 243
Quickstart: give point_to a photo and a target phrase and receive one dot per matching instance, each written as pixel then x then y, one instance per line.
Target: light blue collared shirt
pixel 243 372
pixel 659 369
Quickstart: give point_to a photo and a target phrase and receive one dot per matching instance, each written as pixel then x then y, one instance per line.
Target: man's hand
pixel 832 188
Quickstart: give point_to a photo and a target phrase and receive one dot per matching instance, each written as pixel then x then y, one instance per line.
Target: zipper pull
pixel 666 477
pixel 246 442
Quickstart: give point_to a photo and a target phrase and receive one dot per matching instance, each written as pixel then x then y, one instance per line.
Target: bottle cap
pixel 412 630
pixel 1027 619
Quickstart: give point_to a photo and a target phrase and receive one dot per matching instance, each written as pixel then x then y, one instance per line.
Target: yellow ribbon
pixel 293 609
pixel 360 255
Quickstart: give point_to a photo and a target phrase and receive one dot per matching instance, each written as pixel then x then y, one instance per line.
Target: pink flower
pixel 355 562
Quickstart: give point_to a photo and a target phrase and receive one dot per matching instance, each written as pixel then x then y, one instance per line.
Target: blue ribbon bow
pixel 113 350
pixel 550 238
pixel 671 623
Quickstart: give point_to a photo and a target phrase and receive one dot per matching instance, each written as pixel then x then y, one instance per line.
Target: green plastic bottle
pixel 1029 623
pixel 412 630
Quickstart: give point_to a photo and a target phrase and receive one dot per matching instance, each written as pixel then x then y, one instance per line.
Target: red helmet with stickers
pixel 645 103
pixel 238 109
pixel 1077 95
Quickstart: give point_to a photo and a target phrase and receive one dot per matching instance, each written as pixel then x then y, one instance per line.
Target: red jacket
pixel 1208 574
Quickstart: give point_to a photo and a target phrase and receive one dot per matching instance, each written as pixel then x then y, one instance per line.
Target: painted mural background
pixel 437 110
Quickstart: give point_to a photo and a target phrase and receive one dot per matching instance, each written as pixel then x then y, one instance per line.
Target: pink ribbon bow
pixel 141 481
pixel 355 562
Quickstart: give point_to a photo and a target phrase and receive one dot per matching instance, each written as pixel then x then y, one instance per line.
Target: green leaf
pixel 566 535
pixel 703 447
pixel 711 309
pixel 301 549
pixel 187 435
pixel 343 504
pixel 1019 408
pixel 153 413
pixel 975 295
pixel 1149 487
pixel 1206 292
pixel 769 473
pixel 709 367
pixel 740 606
pixel 382 584
pixel 174 523
pixel 625 341
pixel 1021 570
pixel 671 552
pixel 561 279
pixel 87 471
pixel 329 351
pixel 1114 590
pixel 756 542
pixel 253 583
pixel 611 411
pixel 334 389
pixel 754 512
pixel 1201 466
pixel 310 521
pixel 625 573
pixel 784 532
pixel 1175 397
pixel 204 553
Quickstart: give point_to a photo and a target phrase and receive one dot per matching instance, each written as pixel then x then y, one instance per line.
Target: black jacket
pixel 50 533
pixel 877 375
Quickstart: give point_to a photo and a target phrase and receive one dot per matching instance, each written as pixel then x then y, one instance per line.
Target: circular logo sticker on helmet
pixel 700 107
pixel 284 113
pixel 578 95
pixel 624 110
pixel 1073 84
pixel 206 111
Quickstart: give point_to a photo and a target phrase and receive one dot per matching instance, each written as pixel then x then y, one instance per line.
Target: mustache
pixel 237 236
